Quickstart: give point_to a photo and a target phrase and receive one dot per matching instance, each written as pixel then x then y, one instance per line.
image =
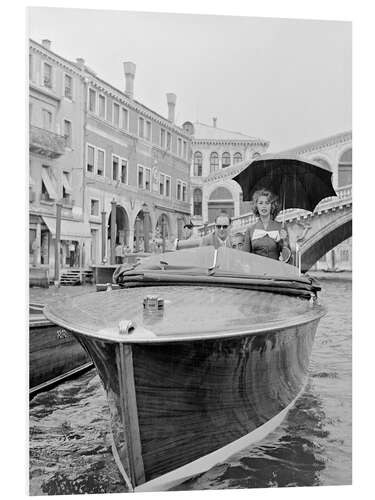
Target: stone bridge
pixel 313 233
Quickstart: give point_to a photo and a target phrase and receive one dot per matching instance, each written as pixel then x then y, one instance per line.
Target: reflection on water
pixel 70 442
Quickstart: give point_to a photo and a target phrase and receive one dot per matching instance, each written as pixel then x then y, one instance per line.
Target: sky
pixel 287 81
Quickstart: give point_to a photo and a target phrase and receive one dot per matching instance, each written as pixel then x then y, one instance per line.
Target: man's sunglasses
pixel 224 226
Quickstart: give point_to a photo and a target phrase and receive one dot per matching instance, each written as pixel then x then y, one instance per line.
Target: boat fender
pixel 126 327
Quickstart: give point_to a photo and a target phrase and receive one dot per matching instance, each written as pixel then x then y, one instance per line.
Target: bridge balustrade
pixel 240 222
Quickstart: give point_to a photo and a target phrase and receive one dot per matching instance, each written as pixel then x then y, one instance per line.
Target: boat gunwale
pixel 318 311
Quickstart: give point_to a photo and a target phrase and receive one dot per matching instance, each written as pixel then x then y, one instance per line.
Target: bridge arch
pixel 327 238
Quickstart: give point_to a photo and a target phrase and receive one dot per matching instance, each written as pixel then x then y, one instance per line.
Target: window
pixel 68 87
pixel 144 178
pixel 100 162
pixel 94 207
pixel 345 169
pixel 48 185
pixel 197 202
pixel 225 160
pixel 44 194
pixel 140 177
pixel 169 141
pixel 237 158
pixel 148 131
pixel 102 106
pixel 185 150
pixel 90 159
pixel 214 162
pixel 47 119
pixel 92 100
pixel 31 67
pixel 179 147
pixel 116 114
pixel 181 190
pixel 67 188
pixel 162 138
pixel 147 179
pixel 115 167
pixel 125 118
pixel 141 127
pixel 197 163
pixel 47 75
pixel 167 186
pixel 68 132
pixel 161 184
pixel 124 171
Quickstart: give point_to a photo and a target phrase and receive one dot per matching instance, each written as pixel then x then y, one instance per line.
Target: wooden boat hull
pixel 54 354
pixel 175 402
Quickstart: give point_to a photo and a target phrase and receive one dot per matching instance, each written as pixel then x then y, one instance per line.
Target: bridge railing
pixel 240 222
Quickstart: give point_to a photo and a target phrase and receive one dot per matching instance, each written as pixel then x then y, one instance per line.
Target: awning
pixel 48 183
pixel 66 183
pixel 70 230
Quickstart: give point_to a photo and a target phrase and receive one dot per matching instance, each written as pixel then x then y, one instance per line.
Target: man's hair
pixel 189 225
pixel 224 214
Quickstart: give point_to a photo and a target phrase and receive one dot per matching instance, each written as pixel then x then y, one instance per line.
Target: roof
pixel 208 132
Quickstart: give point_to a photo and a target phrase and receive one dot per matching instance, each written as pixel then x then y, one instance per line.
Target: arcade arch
pixel 142 230
pixel 122 226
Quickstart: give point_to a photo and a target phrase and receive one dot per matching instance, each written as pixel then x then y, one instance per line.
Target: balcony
pixel 46 143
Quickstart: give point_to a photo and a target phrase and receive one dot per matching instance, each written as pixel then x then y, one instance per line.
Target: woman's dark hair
pixel 272 198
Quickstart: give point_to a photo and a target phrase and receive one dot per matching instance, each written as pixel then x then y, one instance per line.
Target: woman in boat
pixel 267 237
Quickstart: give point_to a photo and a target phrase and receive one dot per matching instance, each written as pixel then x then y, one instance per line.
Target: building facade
pixel 97 151
pixel 56 146
pixel 214 149
pixel 136 159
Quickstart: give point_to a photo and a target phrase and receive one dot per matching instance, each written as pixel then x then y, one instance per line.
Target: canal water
pixel 70 442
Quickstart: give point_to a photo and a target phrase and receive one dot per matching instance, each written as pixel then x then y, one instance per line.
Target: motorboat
pixel 201 353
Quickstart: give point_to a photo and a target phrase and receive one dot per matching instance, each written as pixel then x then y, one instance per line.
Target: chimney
pixel 129 70
pixel 46 44
pixel 171 100
pixel 214 119
pixel 80 62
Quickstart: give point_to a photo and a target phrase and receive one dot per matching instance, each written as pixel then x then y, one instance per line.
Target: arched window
pixel 225 160
pixel 237 157
pixel 214 162
pixel 197 201
pixel 198 163
pixel 345 169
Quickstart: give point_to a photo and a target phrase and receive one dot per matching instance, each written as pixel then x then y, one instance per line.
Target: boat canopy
pixel 221 267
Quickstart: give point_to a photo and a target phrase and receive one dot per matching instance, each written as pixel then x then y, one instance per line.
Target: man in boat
pixel 189 240
pixel 221 236
pixel 238 241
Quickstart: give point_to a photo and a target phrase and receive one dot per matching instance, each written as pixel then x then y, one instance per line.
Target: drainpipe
pixel 104 216
pixel 113 231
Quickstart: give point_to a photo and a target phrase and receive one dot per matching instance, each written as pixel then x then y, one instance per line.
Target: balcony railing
pixel 46 143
